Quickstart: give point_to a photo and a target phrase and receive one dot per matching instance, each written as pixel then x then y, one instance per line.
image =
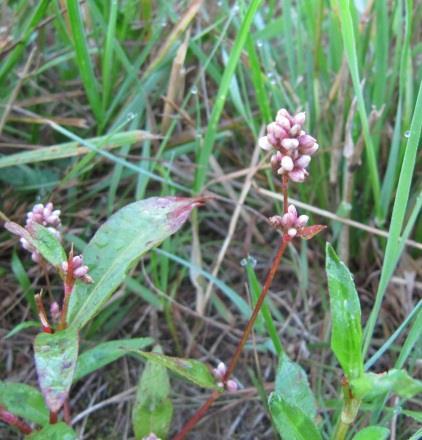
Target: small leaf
pixel 193 370
pixel 59 431
pixel 309 232
pixel 55 360
pixel 371 385
pixel 22 326
pixel 46 243
pixel 292 385
pixel 346 333
pixel 292 423
pixel 24 401
pixel 372 433
pixel 105 353
pixel 153 410
pixel 119 243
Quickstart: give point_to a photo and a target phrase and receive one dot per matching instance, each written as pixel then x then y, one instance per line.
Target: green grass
pixel 109 64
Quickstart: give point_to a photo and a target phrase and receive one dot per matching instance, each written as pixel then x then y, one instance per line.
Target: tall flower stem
pixel 246 333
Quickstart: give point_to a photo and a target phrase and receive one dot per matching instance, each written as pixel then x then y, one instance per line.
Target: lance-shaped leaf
pixel 59 431
pixel 119 243
pixel 46 243
pixel 105 353
pixel 371 385
pixel 372 433
pixel 153 409
pixel 24 401
pixel 193 370
pixel 55 360
pixel 292 385
pixel 291 422
pixel 309 232
pixel 346 333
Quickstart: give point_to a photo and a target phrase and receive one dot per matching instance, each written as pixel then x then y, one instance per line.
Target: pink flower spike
pixel 264 143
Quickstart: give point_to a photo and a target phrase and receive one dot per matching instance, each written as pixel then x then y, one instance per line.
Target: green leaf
pixel 190 369
pixel 372 433
pixel 153 410
pixel 292 423
pixel 371 385
pixel 22 326
pixel 292 385
pixel 119 243
pixel 105 353
pixel 24 401
pixel 55 360
pixel 46 243
pixel 59 431
pixel 346 333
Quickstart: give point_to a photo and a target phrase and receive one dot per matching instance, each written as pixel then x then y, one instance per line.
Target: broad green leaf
pixel 372 433
pixel 190 369
pixel 24 401
pixel 46 243
pixel 55 360
pixel 105 353
pixel 119 243
pixel 346 333
pixel 292 385
pixel 59 431
pixel 153 409
pixel 292 423
pixel 371 385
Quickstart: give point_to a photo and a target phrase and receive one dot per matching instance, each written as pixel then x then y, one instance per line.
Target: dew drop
pixel 407 134
pixel 194 90
pixel 248 261
pixel 131 116
pixel 259 43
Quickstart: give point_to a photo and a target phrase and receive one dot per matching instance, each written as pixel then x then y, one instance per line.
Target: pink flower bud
pixel 264 143
pixel 309 151
pixel 297 175
pixel 299 118
pixel 290 143
pixel 275 161
pixel 292 211
pixel 36 257
pixel 284 122
pixel 306 141
pixel 55 311
pixel 272 139
pixel 292 232
pixel 288 220
pixel 77 261
pixel 232 385
pixel 287 163
pixel 38 208
pixel 301 221
pixel 303 161
pixel 295 130
pixel 80 271
pixel 276 221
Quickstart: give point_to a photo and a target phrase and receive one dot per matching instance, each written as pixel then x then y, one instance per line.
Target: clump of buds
pixel 219 373
pixel 290 223
pixel 79 269
pixel 45 216
pixel 293 146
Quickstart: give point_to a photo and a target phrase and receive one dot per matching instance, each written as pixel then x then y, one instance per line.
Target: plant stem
pixel 341 430
pixel 284 188
pixel 249 326
pixel 10 419
pixel 66 412
pixel 53 418
pixel 42 315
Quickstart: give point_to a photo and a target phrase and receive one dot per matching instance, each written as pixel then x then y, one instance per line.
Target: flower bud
pixel 292 232
pixel 264 143
pixel 295 130
pixel 301 221
pixel 231 385
pixel 287 163
pixel 80 272
pixel 297 175
pixel 303 161
pixel 299 118
pixel 290 143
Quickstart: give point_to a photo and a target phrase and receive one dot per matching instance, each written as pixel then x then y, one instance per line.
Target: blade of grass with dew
pixel 25 33
pixel 238 44
pixel 392 251
pixel 349 42
pixel 107 60
pixel 83 59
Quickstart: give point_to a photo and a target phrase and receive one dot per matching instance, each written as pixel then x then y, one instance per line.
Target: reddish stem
pixel 69 282
pixel 42 315
pixel 12 420
pixel 249 326
pixel 66 412
pixel 53 417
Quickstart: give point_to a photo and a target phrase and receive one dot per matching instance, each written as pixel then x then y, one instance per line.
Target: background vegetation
pixel 107 102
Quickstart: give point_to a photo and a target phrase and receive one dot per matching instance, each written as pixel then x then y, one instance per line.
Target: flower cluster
pixel 219 373
pixel 45 216
pixel 290 221
pixel 293 147
pixel 80 270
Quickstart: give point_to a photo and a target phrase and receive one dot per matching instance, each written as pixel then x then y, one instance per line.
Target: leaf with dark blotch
pixel 309 232
pixel 292 422
pixel 292 385
pixel 117 246
pixel 371 385
pixel 153 409
pixel 59 431
pixel 372 433
pixel 24 401
pixel 190 369
pixel 346 332
pixel 105 353
pixel 55 360
pixel 46 243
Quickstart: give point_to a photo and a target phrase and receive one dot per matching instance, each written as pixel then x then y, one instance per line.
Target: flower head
pixel 292 146
pixel 79 269
pixel 290 223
